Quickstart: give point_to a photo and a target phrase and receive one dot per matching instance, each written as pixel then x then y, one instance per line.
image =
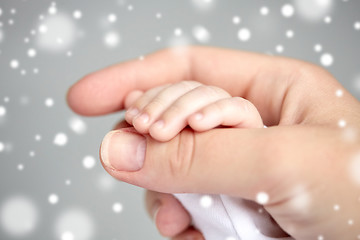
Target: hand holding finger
pixel 299 170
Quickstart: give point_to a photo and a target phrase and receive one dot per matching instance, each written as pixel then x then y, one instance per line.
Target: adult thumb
pixel 223 161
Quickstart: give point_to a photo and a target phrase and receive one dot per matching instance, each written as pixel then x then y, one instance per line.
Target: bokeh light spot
pixel 206 201
pixel 57 33
pixel 77 222
pixel 19 216
pixel 244 34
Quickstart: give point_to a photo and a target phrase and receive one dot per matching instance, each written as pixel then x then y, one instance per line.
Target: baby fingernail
pixel 159 124
pixel 132 111
pixel 123 150
pixel 144 118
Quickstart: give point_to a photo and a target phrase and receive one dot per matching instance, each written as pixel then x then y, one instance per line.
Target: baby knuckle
pixel 218 91
pixel 176 108
pixel 156 103
pixel 242 104
pixel 210 91
pixel 204 90
pixel 219 106
pixel 141 102
pixel 189 85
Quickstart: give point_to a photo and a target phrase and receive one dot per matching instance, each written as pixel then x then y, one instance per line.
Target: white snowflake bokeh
pixel 60 139
pixel 287 10
pixel 314 10
pixel 14 64
pixel 262 198
pixel 67 236
pixel 89 162
pixel 77 14
pixel 357 25
pixel 112 18
pixel 49 155
pixel 2 147
pixel 117 207
pixel 204 5
pixel 327 59
pixel 2 111
pixel 57 32
pixel 49 102
pixel 317 48
pixel 19 216
pixel 236 20
pixel 244 34
pixel 53 198
pixel 206 201
pixel 201 34
pixel 77 125
pixel 290 33
pixel 112 39
pixel 264 11
pixel 76 223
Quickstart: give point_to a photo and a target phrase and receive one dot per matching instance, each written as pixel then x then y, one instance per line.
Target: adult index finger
pixel 263 80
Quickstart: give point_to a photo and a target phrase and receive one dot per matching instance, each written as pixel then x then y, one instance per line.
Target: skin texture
pixel 304 161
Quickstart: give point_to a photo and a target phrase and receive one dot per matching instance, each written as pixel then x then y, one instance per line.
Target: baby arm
pixel 165 110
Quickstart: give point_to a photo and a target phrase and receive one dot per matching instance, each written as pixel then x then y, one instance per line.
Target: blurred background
pixel 52 185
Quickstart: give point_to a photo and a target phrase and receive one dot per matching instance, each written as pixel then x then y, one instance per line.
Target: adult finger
pixel 140 160
pixel 264 165
pixel 169 215
pixel 189 234
pixel 243 74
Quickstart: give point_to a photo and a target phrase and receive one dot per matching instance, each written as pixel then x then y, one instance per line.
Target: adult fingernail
pixel 123 150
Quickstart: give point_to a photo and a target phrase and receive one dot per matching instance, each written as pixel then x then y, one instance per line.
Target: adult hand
pixel 304 163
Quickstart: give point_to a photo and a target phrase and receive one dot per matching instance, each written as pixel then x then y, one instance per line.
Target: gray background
pixel 47 166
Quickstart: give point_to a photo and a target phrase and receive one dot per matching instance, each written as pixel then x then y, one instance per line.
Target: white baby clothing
pixel 229 218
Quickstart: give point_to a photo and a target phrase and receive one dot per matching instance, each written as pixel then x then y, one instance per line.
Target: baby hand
pixel 165 110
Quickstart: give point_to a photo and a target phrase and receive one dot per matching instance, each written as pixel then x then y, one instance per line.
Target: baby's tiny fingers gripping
pixel 136 100
pixel 235 112
pixel 151 108
pixel 174 118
